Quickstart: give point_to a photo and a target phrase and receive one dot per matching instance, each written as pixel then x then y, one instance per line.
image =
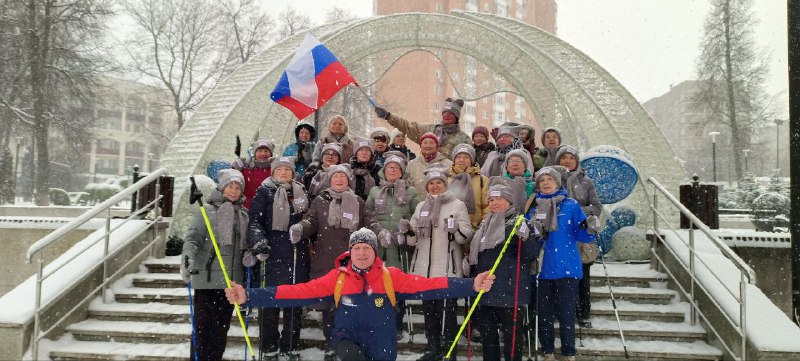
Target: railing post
pixel 743 313
pixel 37 317
pixel 135 194
pixel 156 213
pixel 105 252
pixel 693 309
pixel 654 242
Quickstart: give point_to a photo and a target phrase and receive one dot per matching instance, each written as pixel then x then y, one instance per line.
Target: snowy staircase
pixel 149 320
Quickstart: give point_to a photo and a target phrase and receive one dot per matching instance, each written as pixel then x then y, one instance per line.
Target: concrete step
pixel 643 330
pixel 635 294
pixel 625 275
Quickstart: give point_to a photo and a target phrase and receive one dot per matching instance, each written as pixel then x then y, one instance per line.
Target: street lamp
pixel 778 123
pixel 714 152
pixel 745 151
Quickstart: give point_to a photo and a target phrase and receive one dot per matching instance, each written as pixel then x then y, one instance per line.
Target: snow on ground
pixel 17 306
pixel 767 326
pixel 21 222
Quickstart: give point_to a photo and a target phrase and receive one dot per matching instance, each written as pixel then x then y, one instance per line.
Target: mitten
pixel 385 237
pixel 381 112
pixel 247 259
pixel 538 230
pixel 403 226
pixel 593 224
pixel 295 233
pixel 465 266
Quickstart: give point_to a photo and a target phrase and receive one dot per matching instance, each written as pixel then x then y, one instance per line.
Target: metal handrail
pixel 35 250
pixel 747 275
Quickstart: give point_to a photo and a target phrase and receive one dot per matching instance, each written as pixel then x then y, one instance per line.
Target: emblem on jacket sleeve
pixel 379 302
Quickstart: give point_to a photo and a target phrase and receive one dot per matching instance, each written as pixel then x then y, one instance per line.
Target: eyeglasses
pixel 382 140
pixel 391 167
pixel 330 155
pixel 515 161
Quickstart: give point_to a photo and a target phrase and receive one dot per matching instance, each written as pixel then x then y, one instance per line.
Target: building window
pixel 436 106
pixel 438 7
pixel 499 99
pixel 484 114
pixel 437 89
pixel 473 2
pixel 107 146
pixel 502 10
pixel 470 110
pixel 134 149
pixel 437 73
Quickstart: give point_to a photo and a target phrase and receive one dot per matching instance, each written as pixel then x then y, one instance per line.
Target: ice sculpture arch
pixel 563 87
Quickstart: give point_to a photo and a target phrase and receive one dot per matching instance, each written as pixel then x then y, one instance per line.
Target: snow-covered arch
pixel 563 87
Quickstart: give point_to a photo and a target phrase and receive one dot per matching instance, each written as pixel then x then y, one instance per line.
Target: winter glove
pixel 523 230
pixel 465 266
pixel 593 224
pixel 312 168
pixel 186 268
pixel 261 250
pixel 295 233
pixel 385 237
pixel 196 196
pixel 451 226
pixel 381 112
pixel 401 239
pixel 538 230
pixel 403 226
pixel 248 260
pixel 238 164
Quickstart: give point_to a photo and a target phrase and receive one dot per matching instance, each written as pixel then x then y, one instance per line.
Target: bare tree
pixel 292 22
pixel 731 74
pixel 251 28
pixel 51 61
pixel 336 13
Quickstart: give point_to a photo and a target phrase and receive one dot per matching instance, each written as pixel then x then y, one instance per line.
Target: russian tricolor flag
pixel 312 78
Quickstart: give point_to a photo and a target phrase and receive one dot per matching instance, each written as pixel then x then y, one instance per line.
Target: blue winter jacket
pixel 561 258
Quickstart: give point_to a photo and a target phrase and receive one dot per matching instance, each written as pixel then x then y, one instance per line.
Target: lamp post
pixel 714 152
pixel 745 151
pixel 778 123
pixel 16 166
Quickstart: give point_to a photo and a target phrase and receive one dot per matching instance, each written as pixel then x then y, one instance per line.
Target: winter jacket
pixel 329 242
pixel 254 173
pixel 436 255
pixel 414 131
pixel 561 258
pixel 482 151
pixel 502 294
pixel 282 254
pixel 527 177
pixel 416 170
pixel 206 272
pixel 584 192
pixel 409 154
pixel 303 151
pixel 359 181
pixel 545 157
pixel 480 190
pixel 389 220
pixel 365 315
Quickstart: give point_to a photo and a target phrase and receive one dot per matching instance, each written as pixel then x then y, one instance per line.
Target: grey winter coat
pixel 582 189
pixel 198 247
pixel 416 171
pixel 437 256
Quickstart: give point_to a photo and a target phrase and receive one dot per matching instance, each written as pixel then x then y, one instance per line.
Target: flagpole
pixel 368 98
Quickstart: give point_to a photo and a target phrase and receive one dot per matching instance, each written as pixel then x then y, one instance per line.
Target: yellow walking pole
pixel 222 265
pixel 477 299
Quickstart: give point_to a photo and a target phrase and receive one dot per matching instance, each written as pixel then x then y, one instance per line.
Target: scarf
pixel 429 213
pixel 496 165
pixel 461 184
pixel 280 203
pixel 305 152
pixel 229 225
pixel 382 201
pixel 362 176
pixel 551 156
pixel 573 182
pixel 430 158
pixel 547 207
pixel 443 131
pixel 492 234
pixel 319 182
pixel 343 210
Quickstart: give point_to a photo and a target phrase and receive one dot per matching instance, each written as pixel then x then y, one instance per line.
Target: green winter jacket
pixel 391 255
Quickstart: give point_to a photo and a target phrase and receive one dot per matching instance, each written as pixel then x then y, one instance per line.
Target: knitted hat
pixel 481 130
pixel 501 187
pixel 396 159
pixel 453 106
pixel 463 148
pixel 359 143
pixel 568 149
pixel 336 147
pixel 512 131
pixel 341 168
pixel 263 143
pixel 551 171
pixel 430 135
pixel 551 129
pixel 283 162
pixel 435 172
pixel 379 132
pixel 226 176
pixel 364 235
pixel 395 132
pixel 521 153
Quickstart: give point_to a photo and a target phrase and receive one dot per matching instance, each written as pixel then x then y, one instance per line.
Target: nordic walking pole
pixel 199 199
pixel 613 303
pixel 291 310
pixel 249 309
pixel 191 310
pixel 480 294
pixel 516 299
pixel 528 320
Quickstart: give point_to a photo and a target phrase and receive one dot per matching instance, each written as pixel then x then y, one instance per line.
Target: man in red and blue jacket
pixel 365 292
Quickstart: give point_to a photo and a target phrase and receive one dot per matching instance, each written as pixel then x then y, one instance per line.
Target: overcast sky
pixel 646 44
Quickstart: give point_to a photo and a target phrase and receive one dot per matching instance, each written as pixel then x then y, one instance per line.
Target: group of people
pixel 354 226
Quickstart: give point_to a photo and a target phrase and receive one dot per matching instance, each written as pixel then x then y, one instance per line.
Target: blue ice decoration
pixel 214 166
pixel 612 171
pixel 621 217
